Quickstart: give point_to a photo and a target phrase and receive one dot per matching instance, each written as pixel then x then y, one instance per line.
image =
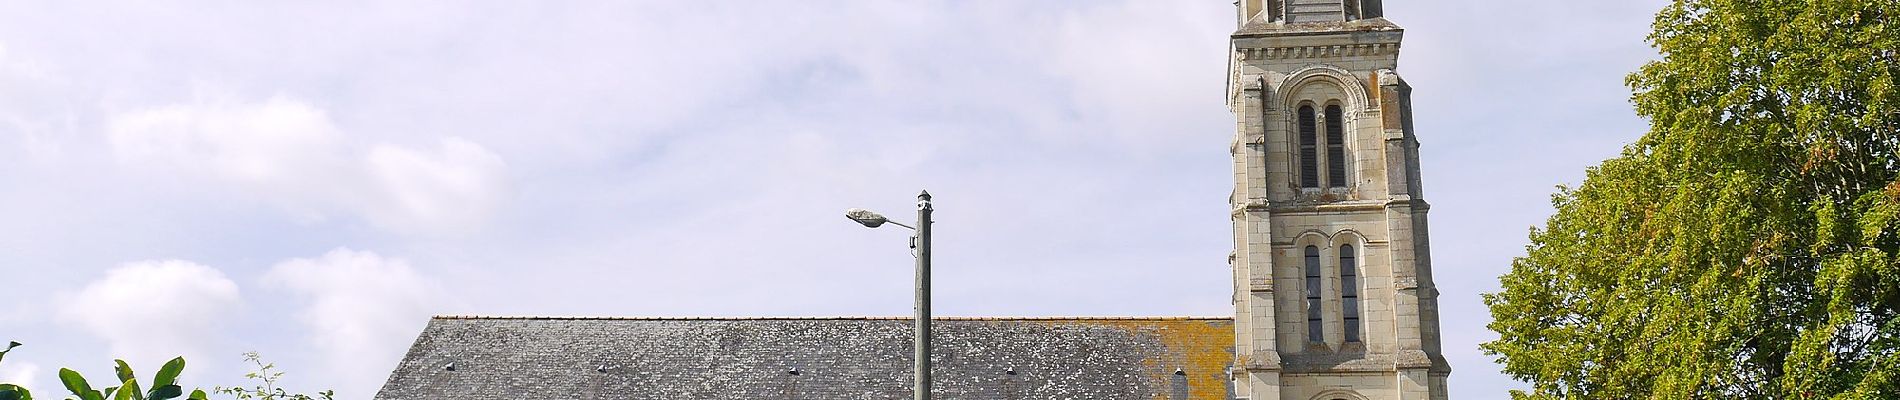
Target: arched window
pixel 1349 290
pixel 1314 327
pixel 1309 148
pixel 1335 146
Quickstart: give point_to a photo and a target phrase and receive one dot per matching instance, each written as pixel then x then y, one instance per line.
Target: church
pixel 1332 279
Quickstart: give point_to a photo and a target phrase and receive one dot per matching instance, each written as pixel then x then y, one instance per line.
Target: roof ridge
pixel 836 318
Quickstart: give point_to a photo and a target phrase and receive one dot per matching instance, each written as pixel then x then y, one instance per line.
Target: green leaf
pixel 131 391
pixel 110 391
pixel 77 384
pixel 13 392
pixel 168 374
pixel 197 395
pixel 166 392
pixel 10 346
pixel 124 371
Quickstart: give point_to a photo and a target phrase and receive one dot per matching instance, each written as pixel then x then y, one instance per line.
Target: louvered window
pixel 1315 330
pixel 1369 9
pixel 1349 290
pixel 1309 148
pixel 1302 11
pixel 1335 147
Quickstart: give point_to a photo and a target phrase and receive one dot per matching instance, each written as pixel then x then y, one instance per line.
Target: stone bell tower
pixel 1333 290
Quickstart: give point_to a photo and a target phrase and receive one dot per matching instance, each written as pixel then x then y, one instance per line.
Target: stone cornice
pixel 1321 51
pixel 1291 207
pixel 1346 362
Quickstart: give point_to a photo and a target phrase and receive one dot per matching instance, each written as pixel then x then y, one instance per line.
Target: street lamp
pixel 920 243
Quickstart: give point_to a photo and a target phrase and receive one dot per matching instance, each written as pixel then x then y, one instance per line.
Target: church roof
pixel 465 357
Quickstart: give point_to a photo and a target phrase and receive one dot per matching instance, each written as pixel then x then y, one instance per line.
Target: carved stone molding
pixel 1357 102
pixel 1304 52
pixel 1261 361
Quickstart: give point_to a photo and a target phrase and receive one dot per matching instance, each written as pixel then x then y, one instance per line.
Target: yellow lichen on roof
pixel 1202 348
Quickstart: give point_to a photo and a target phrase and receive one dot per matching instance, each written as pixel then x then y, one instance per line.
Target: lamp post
pixel 920 244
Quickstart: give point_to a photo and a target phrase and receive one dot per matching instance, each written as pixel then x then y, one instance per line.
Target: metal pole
pixel 922 340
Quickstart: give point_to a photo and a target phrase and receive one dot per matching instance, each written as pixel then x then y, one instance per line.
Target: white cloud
pixel 273 142
pixel 32 107
pixel 151 311
pixel 21 373
pixel 18 372
pixel 363 311
pixel 293 154
pixel 441 188
pixel 1144 70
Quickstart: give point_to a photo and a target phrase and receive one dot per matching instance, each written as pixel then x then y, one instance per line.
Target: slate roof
pixel 458 357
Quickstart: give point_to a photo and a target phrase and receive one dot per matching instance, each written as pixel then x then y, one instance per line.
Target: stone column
pixel 1258 356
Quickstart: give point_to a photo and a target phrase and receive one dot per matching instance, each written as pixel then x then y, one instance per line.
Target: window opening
pixel 1309 152
pixel 1349 290
pixel 1335 146
pixel 1314 330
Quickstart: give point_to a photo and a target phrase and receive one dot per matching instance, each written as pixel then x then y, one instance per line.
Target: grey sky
pixel 312 181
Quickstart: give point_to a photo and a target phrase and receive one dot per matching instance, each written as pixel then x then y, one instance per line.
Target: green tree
pixel 1747 246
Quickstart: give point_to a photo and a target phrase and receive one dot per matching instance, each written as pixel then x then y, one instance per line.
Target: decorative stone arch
pixel 1338 394
pixel 1313 237
pixel 1354 106
pixel 1357 102
pixel 1347 236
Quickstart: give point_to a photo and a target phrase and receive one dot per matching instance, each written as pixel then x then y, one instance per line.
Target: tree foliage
pixel 9 391
pixel 266 388
pixel 164 384
pixel 1747 246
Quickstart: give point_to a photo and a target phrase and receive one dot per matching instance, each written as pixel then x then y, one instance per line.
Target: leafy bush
pixel 164 384
pixel 266 388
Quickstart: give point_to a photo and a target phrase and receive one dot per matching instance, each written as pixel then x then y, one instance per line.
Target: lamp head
pixel 870 219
